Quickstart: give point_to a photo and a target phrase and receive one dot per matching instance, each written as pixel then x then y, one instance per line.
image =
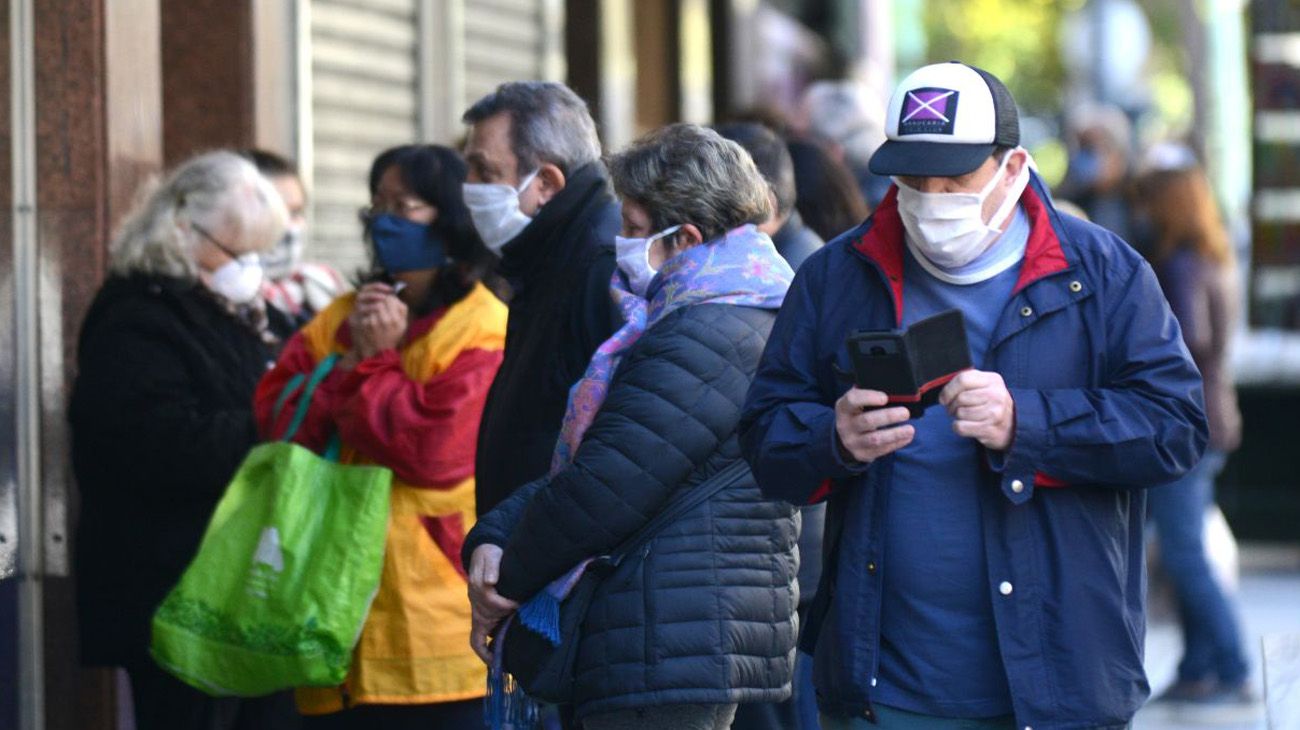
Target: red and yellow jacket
pixel 415 410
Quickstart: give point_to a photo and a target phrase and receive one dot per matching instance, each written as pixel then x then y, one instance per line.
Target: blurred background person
pixel 838 115
pixel 161 417
pixel 827 198
pixel 795 242
pixel 296 287
pixel 704 618
pixel 1192 255
pixel 420 343
pixel 1097 179
pixel 540 198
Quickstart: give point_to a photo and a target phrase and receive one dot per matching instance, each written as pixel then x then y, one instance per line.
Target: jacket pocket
pixel 648 605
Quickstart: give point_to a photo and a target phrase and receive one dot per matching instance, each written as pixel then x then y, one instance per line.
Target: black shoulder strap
pixel 695 496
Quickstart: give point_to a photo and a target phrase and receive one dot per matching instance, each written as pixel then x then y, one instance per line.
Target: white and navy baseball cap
pixel 944 120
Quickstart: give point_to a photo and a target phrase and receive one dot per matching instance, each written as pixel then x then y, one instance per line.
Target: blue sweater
pixel 939 651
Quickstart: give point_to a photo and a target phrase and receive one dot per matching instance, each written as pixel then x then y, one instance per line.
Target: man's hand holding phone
pixel 866 430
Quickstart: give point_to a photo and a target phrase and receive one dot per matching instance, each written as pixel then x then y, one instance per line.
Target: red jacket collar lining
pixel 883 245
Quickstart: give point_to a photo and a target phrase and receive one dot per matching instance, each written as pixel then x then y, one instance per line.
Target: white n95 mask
pixel 949 228
pixel 239 280
pixel 494 208
pixel 634 260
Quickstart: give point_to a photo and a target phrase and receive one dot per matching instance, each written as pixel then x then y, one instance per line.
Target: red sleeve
pixel 425 432
pixel 318 426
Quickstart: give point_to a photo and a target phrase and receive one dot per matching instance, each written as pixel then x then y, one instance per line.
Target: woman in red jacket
pixel 419 347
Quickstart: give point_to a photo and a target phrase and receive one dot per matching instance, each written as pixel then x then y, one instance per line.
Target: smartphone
pixel 881 362
pixel 911 366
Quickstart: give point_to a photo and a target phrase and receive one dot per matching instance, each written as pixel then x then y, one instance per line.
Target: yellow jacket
pixel 416 411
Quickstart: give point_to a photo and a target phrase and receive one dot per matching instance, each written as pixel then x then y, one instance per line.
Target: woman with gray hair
pixel 161 414
pixel 701 618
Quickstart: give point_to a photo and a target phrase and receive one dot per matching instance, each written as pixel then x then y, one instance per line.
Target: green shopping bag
pixel 283 579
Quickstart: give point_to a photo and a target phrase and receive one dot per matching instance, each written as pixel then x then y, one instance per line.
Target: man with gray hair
pixel 540 198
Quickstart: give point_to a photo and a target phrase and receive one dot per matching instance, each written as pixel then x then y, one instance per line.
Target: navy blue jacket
pixel 796 241
pixel 705 613
pixel 1107 402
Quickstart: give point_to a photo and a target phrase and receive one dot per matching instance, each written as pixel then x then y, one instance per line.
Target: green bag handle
pixel 304 403
pixel 289 388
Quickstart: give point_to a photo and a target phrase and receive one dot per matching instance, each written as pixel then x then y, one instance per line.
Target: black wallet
pixel 911 365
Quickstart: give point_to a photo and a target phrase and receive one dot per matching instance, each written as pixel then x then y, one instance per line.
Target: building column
pixel 83 129
pixel 602 65
pixel 207 76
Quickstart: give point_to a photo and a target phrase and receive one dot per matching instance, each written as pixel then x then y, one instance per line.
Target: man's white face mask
pixel 949 228
pixel 494 208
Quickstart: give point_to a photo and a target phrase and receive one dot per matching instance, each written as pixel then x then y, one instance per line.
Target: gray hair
pixel 684 173
pixel 548 123
pixel 216 191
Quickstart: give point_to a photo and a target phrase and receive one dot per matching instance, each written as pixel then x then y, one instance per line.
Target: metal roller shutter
pixel 504 41
pixel 373 86
pixel 364 99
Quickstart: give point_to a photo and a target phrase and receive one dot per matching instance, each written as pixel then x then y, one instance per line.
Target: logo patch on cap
pixel 928 111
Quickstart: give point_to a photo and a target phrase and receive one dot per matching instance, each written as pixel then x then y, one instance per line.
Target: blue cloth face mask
pixel 403 245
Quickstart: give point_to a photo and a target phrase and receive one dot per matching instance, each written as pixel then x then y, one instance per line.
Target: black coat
pixel 706 614
pixel 559 268
pixel 161 417
pixel 796 241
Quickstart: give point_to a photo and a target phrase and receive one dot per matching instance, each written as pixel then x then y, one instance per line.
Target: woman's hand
pixel 378 322
pixel 489 607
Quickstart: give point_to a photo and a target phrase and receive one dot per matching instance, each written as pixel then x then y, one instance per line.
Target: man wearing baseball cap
pixel 983 565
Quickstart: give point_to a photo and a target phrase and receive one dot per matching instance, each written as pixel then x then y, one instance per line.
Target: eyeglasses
pixel 213 240
pixel 405 206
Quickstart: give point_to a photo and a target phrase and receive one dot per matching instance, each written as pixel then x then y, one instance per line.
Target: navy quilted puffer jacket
pixel 707 612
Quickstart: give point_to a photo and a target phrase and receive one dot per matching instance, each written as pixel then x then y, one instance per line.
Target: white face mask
pixel 494 208
pixel 634 259
pixel 949 228
pixel 283 258
pixel 238 280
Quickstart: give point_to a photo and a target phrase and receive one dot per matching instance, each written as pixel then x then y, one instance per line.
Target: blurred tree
pixel 1015 40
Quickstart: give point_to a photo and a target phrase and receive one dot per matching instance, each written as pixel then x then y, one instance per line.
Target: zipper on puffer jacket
pixel 648 599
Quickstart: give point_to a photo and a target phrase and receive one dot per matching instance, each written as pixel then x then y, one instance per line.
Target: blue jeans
pixel 1212 647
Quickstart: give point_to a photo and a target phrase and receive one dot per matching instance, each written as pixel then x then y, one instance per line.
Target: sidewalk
pixel 1269 597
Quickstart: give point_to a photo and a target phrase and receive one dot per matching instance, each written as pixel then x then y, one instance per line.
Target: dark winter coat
pixel 796 241
pixel 161 417
pixel 706 613
pixel 1107 403
pixel 559 268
